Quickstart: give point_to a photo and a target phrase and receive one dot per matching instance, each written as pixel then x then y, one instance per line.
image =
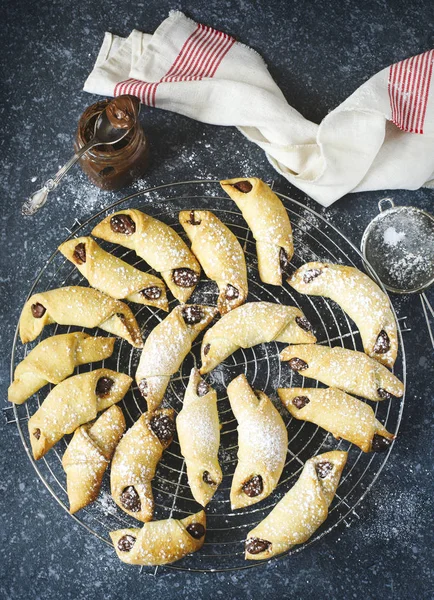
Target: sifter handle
pixel 385 204
pixel 427 308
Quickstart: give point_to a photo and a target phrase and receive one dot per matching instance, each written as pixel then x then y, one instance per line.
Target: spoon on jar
pixel 104 133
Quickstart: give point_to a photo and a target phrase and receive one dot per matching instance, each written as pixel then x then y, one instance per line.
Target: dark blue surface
pixel 318 54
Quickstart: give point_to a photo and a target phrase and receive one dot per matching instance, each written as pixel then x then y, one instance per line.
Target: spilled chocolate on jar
pixel 112 167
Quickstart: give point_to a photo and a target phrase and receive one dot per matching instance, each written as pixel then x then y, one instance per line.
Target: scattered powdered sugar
pixel 107 503
pixel 393 237
pixel 401 523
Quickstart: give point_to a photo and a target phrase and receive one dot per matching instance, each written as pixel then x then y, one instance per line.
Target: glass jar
pixel 111 167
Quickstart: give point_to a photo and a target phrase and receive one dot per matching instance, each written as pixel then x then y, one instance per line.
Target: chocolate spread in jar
pixel 123 112
pixel 111 167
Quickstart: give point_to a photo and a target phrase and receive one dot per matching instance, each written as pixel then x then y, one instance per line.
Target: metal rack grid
pixel 314 239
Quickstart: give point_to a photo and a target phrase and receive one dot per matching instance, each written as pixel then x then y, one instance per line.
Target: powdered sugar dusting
pixel 393 237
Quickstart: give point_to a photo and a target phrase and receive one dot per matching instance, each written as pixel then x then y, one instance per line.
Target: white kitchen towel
pixel 381 137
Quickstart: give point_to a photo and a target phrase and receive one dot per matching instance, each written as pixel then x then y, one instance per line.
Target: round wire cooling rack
pixel 314 239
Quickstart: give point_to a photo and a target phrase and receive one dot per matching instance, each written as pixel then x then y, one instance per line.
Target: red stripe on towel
pixel 200 56
pixel 408 87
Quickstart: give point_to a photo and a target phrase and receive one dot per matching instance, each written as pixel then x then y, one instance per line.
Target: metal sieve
pixel 399 244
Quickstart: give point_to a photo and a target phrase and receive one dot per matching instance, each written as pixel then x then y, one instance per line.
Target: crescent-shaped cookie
pixel 251 324
pixel 114 276
pixel 267 218
pixel 340 414
pixel 360 297
pixel 199 438
pixel 160 542
pixel 88 455
pixel 262 444
pixel 350 371
pixel 135 462
pixel 297 516
pixel 166 347
pixel 82 306
pixel 158 244
pixel 54 359
pixel 220 255
pixel 73 402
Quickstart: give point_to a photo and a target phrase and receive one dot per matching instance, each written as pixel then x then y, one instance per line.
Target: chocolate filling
pixel 207 478
pixel 300 401
pixel 163 427
pixel 256 546
pixel 311 274
pixel 103 386
pixel 185 277
pixel 38 310
pixel 253 487
pixel 143 387
pixel 296 364
pixel 380 443
pixel 193 220
pixel 126 542
pixel 192 314
pixel 206 349
pixel 385 395
pixel 122 224
pixel 130 499
pixel 152 293
pixel 243 186
pixel 37 433
pixel 303 323
pixel 284 263
pixel 231 292
pixel 202 388
pixel 196 530
pixel 382 345
pixel 79 254
pixel 323 469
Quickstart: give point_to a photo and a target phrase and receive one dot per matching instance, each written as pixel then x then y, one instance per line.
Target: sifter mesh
pixel 314 239
pixel 399 245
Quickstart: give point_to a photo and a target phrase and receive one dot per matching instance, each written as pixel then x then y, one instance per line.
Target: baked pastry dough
pixel 340 414
pixel 88 455
pixel 158 244
pixel 350 371
pixel 114 276
pixel 360 297
pixel 136 459
pixel 199 438
pixel 267 218
pixel 166 347
pixel 54 359
pixel 251 324
pixel 262 444
pixel 220 255
pixel 160 542
pixel 73 402
pixel 82 306
pixel 301 511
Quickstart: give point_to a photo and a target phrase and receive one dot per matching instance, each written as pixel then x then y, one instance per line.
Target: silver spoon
pixel 104 133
